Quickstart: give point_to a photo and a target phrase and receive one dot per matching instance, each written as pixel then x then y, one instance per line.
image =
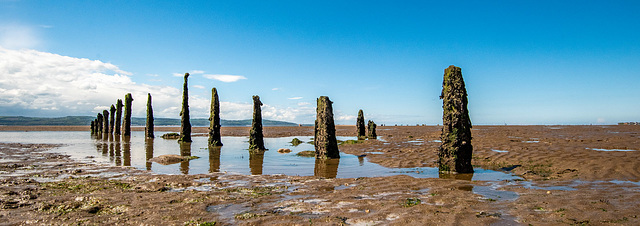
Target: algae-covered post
pixel 324 140
pixel 360 126
pixel 99 123
pixel 118 116
pixel 372 130
pixel 455 152
pixel 148 129
pixel 185 121
pixel 256 141
pixel 112 120
pixel 105 114
pixel 126 123
pixel 214 118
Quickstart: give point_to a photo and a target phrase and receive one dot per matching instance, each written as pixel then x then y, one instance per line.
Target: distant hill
pixel 86 120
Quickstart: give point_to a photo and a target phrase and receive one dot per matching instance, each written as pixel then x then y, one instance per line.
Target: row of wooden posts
pixel 454 154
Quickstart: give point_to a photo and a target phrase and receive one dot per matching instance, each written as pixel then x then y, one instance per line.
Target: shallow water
pixel 233 157
pixel 601 149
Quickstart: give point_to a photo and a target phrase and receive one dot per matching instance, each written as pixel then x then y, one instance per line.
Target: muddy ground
pixel 567 179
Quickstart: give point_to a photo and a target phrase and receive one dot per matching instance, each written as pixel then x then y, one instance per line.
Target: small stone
pixel 284 150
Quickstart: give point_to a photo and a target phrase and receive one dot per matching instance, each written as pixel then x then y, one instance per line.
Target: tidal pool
pixel 233 157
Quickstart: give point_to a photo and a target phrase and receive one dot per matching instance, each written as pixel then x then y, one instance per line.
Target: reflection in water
pixel 118 159
pixel 126 150
pixel 185 150
pixel 455 176
pixel 256 159
pixel 111 151
pixel 361 160
pixel 327 168
pixel 148 149
pixel 214 159
pixel 105 149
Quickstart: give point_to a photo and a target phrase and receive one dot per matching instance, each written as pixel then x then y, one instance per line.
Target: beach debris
pixel 170 136
pixel 307 154
pixel 324 140
pixel 105 127
pixel 214 118
pixel 185 121
pixel 295 142
pixel 372 130
pixel 118 122
pixel 148 129
pixel 126 123
pixel 112 119
pixel 455 152
pixel 256 141
pixel 284 150
pixel 360 129
pixel 171 159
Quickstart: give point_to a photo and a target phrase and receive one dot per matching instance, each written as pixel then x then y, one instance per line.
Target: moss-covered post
pixel 185 121
pixel 214 118
pixel 256 141
pixel 93 129
pixel 360 126
pixel 126 123
pixel 99 121
pixel 118 117
pixel 112 120
pixel 372 130
pixel 324 140
pixel 148 129
pixel 454 154
pixel 105 127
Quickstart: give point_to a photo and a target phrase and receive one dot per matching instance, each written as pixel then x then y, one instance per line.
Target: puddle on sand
pixel 233 158
pixel 601 149
pixel 228 211
pixel 500 151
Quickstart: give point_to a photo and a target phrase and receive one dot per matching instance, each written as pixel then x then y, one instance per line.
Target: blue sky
pixel 524 62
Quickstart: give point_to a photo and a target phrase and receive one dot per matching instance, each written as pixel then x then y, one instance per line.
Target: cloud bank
pixel 34 83
pixel 225 78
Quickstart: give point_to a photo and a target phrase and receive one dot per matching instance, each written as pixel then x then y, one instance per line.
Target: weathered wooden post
pixel 185 121
pixel 455 152
pixel 148 129
pixel 372 130
pixel 324 140
pixel 112 120
pixel 105 114
pixel 360 126
pixel 126 123
pixel 99 120
pixel 214 118
pixel 256 141
pixel 118 122
pixel 93 129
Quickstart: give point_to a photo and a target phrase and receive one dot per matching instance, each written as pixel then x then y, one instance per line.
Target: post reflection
pixel 148 150
pixel 361 160
pixel 105 149
pixel 126 150
pixel 118 151
pixel 214 159
pixel 185 150
pixel 256 159
pixel 111 151
pixel 456 176
pixel 327 168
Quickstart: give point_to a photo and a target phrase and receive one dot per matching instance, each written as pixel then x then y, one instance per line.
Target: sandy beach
pixel 569 175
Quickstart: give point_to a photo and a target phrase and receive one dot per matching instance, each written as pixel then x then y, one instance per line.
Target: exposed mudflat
pixel 570 175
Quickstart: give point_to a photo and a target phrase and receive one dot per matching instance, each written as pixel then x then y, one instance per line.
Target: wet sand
pixel 566 180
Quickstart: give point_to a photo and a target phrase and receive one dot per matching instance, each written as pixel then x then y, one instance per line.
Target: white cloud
pixel 17 36
pixel 34 83
pixel 274 89
pixel 153 75
pixel 304 103
pixel 295 98
pixel 177 74
pixel 195 72
pixel 225 78
pixel 198 86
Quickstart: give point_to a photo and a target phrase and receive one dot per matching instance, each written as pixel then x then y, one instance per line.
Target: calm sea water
pixel 233 157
